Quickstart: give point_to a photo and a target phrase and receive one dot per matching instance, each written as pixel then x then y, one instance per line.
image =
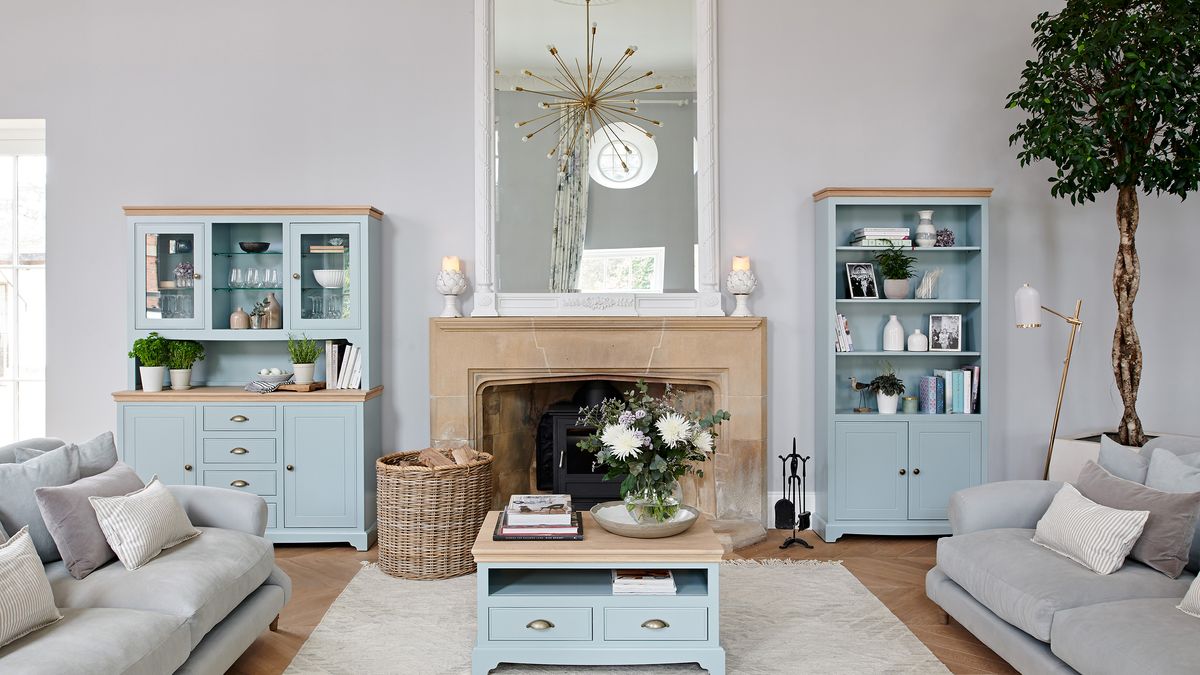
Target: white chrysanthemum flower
pixel 622 440
pixel 703 440
pixel 674 429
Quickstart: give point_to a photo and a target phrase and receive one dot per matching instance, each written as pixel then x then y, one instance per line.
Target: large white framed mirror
pixel 596 193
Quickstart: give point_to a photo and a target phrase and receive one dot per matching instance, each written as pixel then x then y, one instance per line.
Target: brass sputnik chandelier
pixel 587 100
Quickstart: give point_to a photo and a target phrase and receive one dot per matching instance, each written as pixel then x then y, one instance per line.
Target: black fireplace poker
pixel 797 468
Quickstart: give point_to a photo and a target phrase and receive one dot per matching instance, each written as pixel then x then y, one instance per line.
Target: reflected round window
pixel 622 156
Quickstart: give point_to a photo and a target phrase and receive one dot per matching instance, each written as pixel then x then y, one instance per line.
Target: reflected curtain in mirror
pixel 570 207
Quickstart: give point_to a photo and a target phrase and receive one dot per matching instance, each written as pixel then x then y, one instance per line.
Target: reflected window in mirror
pixel 622 270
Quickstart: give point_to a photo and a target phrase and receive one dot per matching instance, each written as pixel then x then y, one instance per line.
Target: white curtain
pixel 570 210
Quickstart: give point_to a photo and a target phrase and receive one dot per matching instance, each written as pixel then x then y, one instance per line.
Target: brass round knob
pixel 290 467
pixel 187 467
pixel 916 472
pixel 539 624
pixel 295 275
pixel 196 275
pixel 903 471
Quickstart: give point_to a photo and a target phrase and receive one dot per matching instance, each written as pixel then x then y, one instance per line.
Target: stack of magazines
pixel 539 518
pixel 887 237
pixel 643 582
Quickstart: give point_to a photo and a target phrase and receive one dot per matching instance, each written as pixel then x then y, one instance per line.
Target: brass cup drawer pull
pixel 655 624
pixel 239 418
pixel 239 483
pixel 239 451
pixel 539 624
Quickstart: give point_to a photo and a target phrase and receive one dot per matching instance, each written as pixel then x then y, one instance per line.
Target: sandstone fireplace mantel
pixel 727 354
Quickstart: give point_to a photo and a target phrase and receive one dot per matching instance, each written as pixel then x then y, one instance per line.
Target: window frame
pixel 659 253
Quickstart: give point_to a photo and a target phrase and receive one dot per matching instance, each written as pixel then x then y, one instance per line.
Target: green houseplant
pixel 888 387
pixel 896 266
pixel 181 354
pixel 151 354
pixel 304 353
pixel 1111 99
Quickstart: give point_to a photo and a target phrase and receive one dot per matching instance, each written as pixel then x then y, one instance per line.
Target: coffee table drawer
pixel 540 623
pixel 627 623
pixel 239 418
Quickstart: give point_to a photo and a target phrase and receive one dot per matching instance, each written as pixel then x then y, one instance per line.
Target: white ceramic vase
pixel 152 377
pixel 926 232
pixel 895 289
pixel 887 404
pixel 918 341
pixel 893 335
pixel 303 372
pixel 181 378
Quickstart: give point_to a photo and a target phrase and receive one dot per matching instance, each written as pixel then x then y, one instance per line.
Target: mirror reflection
pixel 595 167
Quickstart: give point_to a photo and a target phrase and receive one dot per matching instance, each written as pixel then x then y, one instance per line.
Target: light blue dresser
pixel 310 455
pixel 551 602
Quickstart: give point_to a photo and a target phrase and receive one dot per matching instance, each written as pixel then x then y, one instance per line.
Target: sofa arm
pixel 1014 503
pixel 223 508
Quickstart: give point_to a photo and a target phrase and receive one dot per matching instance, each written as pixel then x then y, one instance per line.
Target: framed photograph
pixel 945 332
pixel 861 278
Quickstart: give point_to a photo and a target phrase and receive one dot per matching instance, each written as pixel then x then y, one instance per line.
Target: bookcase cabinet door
pixel 871 467
pixel 160 441
pixel 320 446
pixel 944 457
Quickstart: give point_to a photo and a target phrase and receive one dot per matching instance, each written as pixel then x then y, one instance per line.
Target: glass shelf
pixel 249 288
pixel 232 253
pixel 914 249
pixel 909 301
pixel 906 353
pixel 185 289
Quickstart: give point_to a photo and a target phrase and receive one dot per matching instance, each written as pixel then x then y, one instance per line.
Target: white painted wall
pixel 301 101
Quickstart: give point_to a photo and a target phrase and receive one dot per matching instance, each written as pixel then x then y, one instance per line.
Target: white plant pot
pixel 303 372
pixel 152 377
pixel 895 289
pixel 181 378
pixel 887 404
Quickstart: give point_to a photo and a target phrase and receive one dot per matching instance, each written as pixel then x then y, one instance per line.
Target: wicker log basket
pixel 429 517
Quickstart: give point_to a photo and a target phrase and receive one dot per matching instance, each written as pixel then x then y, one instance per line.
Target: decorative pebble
pixel 945 237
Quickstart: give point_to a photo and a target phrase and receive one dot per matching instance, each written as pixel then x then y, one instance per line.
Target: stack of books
pixel 343 365
pixel 539 518
pixel 842 341
pixel 643 582
pixel 950 391
pixel 881 236
pixel 326 248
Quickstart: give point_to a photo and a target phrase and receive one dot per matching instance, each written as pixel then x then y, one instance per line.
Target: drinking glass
pixel 237 279
pixel 271 278
pixel 314 311
pixel 253 278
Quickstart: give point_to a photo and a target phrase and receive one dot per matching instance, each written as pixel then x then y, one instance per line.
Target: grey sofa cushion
pixel 202 579
pixel 1026 584
pixel 1171 473
pixel 18 507
pixel 95 456
pixel 8 452
pixel 1130 636
pixel 102 640
pixel 1167 537
pixel 72 521
pixel 1123 462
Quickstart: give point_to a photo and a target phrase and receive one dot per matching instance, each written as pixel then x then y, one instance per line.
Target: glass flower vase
pixel 654 502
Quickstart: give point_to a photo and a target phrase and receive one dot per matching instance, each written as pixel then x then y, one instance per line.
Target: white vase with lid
pixel 918 341
pixel 893 335
pixel 926 232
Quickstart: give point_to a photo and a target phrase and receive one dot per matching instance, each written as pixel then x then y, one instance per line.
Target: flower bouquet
pixel 649 443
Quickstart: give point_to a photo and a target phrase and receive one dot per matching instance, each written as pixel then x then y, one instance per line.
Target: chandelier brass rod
pixel 630 114
pixel 541 93
pixel 534 119
pixel 534 75
pixel 657 87
pixel 613 78
pixel 543 128
pixel 566 71
pixel 620 62
pixel 617 91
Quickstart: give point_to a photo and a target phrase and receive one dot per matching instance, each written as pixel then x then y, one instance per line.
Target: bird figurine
pixel 864 393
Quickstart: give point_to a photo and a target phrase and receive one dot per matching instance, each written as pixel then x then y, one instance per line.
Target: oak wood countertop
pixel 239 395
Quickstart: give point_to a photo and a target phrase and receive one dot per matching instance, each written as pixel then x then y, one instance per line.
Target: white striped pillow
pixel 1191 601
pixel 143 523
pixel 26 601
pixel 1095 536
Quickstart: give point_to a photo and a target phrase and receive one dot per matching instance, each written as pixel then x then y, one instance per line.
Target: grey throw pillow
pixel 1171 473
pixel 1167 537
pixel 8 452
pixel 18 505
pixel 95 456
pixel 72 521
pixel 1122 461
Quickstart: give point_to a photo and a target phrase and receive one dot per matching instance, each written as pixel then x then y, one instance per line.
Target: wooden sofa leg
pixel 275 624
pixel 945 618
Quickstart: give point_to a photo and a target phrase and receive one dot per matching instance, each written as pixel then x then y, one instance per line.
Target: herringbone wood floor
pixel 893 568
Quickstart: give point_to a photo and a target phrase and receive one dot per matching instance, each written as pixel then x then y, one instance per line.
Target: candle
pixel 741 262
pixel 451 263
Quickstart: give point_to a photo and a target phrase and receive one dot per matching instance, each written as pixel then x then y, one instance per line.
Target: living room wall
pixel 300 101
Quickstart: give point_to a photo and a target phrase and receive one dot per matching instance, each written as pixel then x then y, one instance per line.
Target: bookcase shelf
pixel 907 355
pixel 909 301
pixel 919 251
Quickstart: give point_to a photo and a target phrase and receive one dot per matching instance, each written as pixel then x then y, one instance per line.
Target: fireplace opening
pixel 562 467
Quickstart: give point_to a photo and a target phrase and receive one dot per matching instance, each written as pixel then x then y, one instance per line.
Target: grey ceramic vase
pixel 895 289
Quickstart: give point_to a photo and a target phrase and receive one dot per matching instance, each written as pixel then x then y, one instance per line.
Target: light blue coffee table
pixel 551 602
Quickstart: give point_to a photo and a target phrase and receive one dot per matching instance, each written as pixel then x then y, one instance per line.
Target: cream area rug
pixel 776 617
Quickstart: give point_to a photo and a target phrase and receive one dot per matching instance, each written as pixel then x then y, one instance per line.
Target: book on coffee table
pixel 538 510
pixel 643 582
pixel 507 532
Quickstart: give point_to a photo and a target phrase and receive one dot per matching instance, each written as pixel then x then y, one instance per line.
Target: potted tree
pixel 1110 99
pixel 304 353
pixel 896 266
pixel 151 354
pixel 181 354
pixel 888 388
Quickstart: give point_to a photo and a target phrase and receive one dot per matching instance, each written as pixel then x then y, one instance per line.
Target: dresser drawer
pixel 520 623
pixel 239 418
pixel 272 515
pixel 628 623
pixel 260 482
pixel 239 451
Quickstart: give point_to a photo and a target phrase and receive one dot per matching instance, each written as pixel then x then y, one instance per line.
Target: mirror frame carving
pixel 705 301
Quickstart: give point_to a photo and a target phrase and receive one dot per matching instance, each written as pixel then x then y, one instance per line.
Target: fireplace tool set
pixel 795 476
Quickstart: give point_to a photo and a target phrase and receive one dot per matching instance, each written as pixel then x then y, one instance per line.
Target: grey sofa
pixel 194 609
pixel 1044 613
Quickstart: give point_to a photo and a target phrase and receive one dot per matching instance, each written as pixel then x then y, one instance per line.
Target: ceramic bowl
pixel 330 278
pixel 254 246
pixel 614 517
pixel 272 379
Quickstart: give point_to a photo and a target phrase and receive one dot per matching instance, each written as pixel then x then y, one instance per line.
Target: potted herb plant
pixel 151 354
pixel 650 443
pixel 896 266
pixel 181 354
pixel 888 388
pixel 304 353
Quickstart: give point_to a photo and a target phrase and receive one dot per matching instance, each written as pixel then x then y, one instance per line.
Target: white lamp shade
pixel 1029 307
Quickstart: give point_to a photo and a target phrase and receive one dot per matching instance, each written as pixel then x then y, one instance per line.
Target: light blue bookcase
pixel 894 474
pixel 310 455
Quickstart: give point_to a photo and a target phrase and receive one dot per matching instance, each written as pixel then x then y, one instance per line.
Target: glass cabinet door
pixel 167 265
pixel 325 275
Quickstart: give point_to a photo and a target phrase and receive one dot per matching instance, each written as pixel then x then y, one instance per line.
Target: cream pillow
pixel 1191 601
pixel 1095 536
pixel 26 601
pixel 143 523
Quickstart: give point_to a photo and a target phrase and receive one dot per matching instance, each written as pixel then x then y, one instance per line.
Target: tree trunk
pixel 1127 348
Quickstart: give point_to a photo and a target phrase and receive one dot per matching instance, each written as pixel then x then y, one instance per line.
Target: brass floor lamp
pixel 1029 308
